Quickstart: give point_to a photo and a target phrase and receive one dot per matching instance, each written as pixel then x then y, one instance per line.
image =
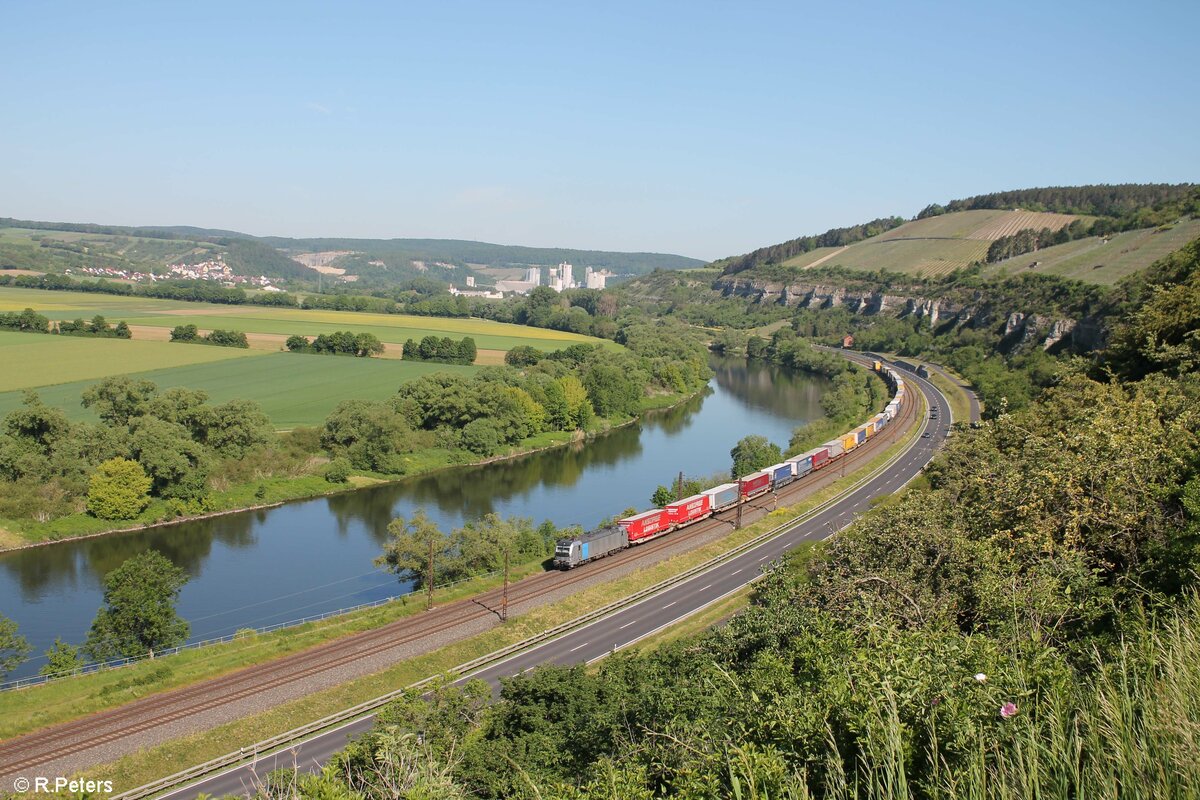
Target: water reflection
pixel 273 565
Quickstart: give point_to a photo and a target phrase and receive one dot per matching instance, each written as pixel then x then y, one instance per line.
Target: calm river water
pixel 260 568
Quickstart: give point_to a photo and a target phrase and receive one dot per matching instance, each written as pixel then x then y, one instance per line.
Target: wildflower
pixel 1008 710
pixel 979 676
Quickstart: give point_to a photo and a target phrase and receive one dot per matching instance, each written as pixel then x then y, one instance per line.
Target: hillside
pixel 934 245
pixel 58 247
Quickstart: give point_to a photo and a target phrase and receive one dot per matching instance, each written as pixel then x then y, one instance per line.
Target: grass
pixel 32 360
pixel 1129 728
pixel 293 388
pixel 150 764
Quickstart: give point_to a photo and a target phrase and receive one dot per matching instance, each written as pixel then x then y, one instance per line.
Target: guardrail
pixel 293 737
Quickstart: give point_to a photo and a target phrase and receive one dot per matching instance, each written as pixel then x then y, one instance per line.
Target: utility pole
pixel 504 598
pixel 429 579
pixel 741 502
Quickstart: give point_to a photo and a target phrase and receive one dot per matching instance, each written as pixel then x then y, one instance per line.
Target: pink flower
pixel 1008 710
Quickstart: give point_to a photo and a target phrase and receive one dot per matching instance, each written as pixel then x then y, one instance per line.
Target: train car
pixel 572 552
pixel 877 366
pixel 821 456
pixel 849 442
pixel 645 525
pixel 722 496
pixel 880 421
pixel 688 510
pixel 860 434
pixel 756 483
pixel 802 464
pixel 836 447
pixel 781 474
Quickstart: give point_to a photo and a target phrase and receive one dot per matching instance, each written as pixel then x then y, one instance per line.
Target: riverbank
pixel 276 491
pixel 137 767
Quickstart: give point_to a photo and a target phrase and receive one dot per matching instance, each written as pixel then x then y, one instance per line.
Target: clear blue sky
pixel 705 129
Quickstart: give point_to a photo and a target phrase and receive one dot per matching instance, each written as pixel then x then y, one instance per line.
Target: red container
pixel 689 509
pixel 820 458
pixel 756 483
pixel 645 525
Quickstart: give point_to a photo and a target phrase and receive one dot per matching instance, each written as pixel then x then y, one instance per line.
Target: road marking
pixel 573 649
pixel 736 571
pixel 626 625
pixel 668 605
pixel 709 586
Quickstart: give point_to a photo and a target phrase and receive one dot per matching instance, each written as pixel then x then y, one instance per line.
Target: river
pixel 258 568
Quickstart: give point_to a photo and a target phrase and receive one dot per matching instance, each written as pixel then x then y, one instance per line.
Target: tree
pixel 118 489
pixel 139 614
pixel 467 350
pixel 406 553
pixel 176 464
pixel 612 391
pixel 523 356
pixel 236 427
pixel 185 333
pixel 297 343
pixel 662 495
pixel 753 453
pixel 61 658
pixel 119 399
pixel 13 646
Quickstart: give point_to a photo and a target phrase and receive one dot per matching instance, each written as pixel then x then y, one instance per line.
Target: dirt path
pixel 825 258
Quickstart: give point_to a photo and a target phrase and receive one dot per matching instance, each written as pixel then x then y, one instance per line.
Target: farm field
pixel 1094 261
pixel 32 360
pixel 286 321
pixel 293 388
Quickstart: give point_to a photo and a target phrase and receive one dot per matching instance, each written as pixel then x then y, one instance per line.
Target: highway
pixel 631 623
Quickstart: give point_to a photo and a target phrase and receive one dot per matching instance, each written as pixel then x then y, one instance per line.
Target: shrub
pixel 118 489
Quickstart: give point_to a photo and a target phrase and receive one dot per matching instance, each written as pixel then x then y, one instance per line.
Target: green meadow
pixel 293 388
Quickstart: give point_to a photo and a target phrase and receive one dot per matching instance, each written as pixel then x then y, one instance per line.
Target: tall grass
pixel 1129 730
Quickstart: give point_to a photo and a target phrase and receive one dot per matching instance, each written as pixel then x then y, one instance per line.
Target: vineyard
pixel 1009 222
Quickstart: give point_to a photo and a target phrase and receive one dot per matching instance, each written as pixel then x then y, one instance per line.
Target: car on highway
pixel 926 435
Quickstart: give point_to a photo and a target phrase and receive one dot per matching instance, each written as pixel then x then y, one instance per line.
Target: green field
pixel 286 321
pixel 31 360
pixel 293 388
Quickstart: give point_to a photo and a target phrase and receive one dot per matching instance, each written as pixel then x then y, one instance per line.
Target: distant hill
pixel 57 246
pixel 1094 233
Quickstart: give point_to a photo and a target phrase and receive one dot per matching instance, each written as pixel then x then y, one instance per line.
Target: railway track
pixel 76 737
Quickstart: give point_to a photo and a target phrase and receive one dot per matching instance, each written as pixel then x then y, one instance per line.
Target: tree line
pixel 338 343
pixel 29 321
pixel 442 349
pixel 221 338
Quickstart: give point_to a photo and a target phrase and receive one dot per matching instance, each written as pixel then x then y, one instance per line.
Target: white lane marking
pixel 573 649
pixel 668 605
pixel 708 586
pixel 736 571
pixel 626 625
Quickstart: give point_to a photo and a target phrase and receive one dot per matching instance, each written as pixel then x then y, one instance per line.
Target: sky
pixel 704 129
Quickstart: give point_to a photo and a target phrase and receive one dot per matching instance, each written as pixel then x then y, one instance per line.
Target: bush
pixel 118 489
pixel 338 470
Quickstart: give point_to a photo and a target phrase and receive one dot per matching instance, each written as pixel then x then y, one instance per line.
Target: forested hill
pixel 1098 200
pixel 47 246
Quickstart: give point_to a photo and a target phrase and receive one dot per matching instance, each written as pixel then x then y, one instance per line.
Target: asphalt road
pixel 632 623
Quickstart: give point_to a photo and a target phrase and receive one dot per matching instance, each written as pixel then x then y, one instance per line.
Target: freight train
pixel 576 550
